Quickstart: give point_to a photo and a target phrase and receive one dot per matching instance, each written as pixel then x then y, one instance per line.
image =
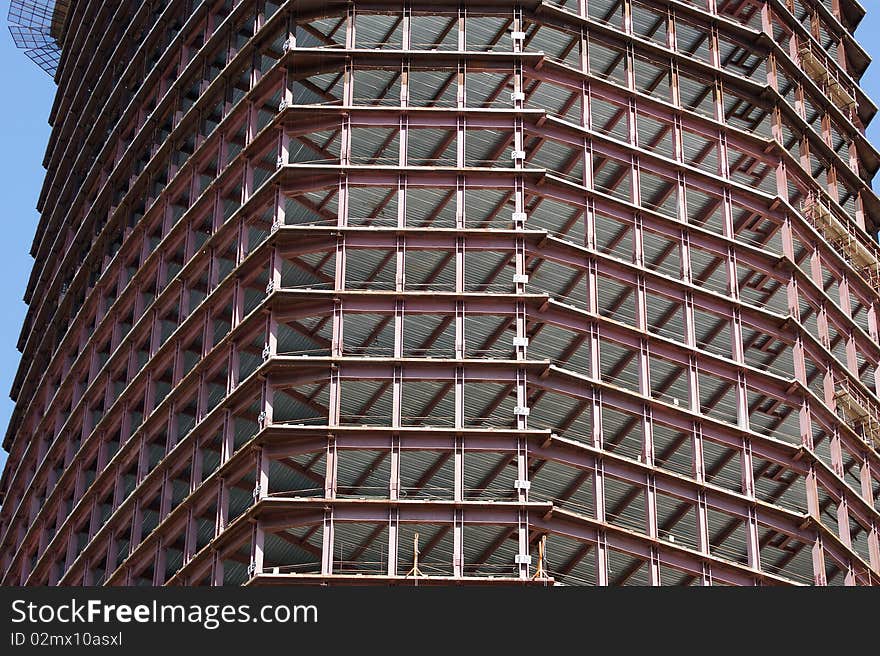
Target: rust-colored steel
pixel 480 292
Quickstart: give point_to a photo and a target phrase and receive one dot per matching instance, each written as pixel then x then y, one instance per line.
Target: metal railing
pixel 858 410
pixel 814 62
pixel 847 238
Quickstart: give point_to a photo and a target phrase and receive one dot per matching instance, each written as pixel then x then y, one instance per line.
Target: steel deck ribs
pixel 323 287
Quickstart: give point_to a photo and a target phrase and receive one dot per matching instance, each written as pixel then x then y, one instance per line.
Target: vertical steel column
pixel 217 573
pixel 399 307
pixel 843 532
pixel 190 537
pixel 222 511
pixel 592 300
pixel 261 491
pixel 334 403
pixel 829 389
pixel 753 545
pixel 335 384
pixel 852 361
pixel 873 531
pixel 327 541
pixel 159 562
pixel 258 538
pixel 136 529
pixel 874 333
pixel 821 312
pixel 698 464
pixel 643 358
pixel 88 576
pixel 110 556
pixel 460 306
pixel 521 411
pixel 644 381
pixel 337 345
pixel 458 513
pixel 736 329
pixel 330 476
pixel 805 416
pixel 815 512
pixel 394 513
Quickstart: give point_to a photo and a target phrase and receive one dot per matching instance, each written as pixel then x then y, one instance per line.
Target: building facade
pixel 576 292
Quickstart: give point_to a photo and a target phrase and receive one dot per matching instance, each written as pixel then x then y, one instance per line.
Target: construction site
pixel 470 292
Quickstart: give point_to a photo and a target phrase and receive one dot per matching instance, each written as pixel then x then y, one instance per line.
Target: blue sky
pixel 24 131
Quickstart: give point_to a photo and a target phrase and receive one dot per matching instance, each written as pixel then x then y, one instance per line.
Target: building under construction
pixel 512 292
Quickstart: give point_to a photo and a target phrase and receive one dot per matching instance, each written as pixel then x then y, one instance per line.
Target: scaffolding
pixel 859 411
pixel 815 64
pixel 845 237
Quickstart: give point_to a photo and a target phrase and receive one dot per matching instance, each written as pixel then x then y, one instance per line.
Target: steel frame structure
pixel 314 278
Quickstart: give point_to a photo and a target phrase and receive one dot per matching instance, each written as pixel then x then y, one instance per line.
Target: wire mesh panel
pixel 36 27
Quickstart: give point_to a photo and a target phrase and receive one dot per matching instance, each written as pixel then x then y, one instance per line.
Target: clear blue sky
pixel 24 131
pixel 24 111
